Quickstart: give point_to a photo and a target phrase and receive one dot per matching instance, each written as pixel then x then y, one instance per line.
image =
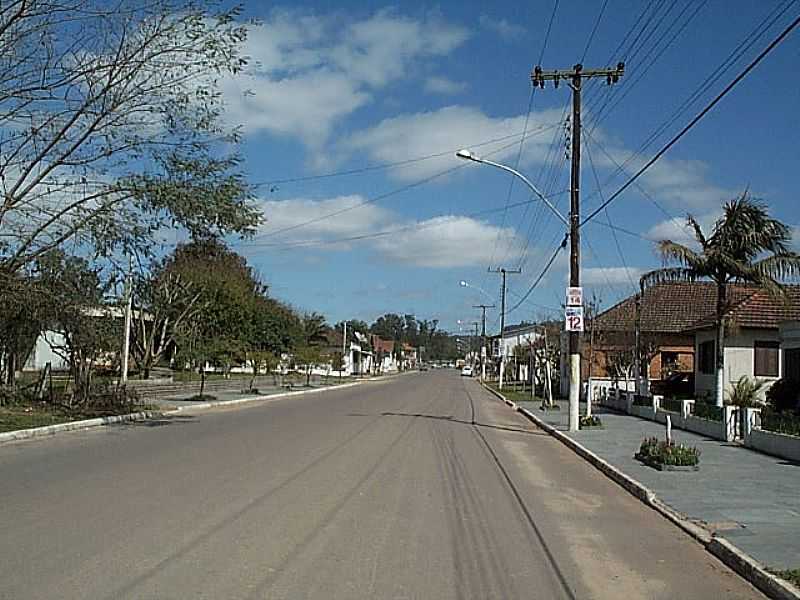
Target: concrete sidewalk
pixel 183 399
pixel 750 498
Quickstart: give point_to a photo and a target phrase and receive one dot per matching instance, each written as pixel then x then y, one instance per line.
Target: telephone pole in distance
pixel 483 308
pixel 503 271
pixel 574 78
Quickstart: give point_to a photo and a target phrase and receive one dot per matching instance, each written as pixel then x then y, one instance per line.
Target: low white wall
pixel 706 427
pixel 777 444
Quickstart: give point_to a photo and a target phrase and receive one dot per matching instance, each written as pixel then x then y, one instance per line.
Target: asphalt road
pixel 422 486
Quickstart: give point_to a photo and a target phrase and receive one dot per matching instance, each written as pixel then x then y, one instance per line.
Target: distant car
pixel 466 372
pixel 423 367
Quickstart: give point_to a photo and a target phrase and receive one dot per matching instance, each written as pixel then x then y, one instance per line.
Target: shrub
pixel 708 411
pixel 668 453
pixel 780 422
pixel 783 395
pixel 745 392
pixel 671 405
pixel 13 396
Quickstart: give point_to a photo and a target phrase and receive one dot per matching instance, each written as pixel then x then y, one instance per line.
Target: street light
pixel 466 284
pixel 572 225
pixel 467 155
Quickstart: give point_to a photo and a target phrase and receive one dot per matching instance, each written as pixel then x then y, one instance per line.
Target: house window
pixel 765 359
pixel 791 364
pixel 705 358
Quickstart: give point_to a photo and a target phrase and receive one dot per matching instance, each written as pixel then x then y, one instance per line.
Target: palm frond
pixel 673 252
pixel 698 231
pixel 668 275
pixel 780 266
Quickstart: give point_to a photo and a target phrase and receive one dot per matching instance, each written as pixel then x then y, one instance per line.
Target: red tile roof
pixel 381 345
pixel 679 307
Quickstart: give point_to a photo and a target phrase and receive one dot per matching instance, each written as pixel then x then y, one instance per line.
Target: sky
pixel 352 112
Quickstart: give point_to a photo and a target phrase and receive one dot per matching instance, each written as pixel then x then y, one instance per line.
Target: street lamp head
pixel 463 283
pixel 466 155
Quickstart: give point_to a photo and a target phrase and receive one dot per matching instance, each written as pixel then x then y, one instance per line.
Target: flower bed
pixel 664 455
pixel 592 422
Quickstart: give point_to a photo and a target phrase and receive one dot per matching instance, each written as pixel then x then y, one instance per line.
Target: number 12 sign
pixel 573 316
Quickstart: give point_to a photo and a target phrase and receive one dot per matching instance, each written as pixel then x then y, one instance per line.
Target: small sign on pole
pixel 574 296
pixel 573 316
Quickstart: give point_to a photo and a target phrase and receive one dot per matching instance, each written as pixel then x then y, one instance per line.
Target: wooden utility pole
pixel 574 77
pixel 503 271
pixel 483 308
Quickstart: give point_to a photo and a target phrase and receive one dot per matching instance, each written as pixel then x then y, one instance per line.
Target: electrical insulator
pixel 608 79
pixel 555 81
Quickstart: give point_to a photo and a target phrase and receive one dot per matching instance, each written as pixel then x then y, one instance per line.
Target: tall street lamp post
pixel 575 379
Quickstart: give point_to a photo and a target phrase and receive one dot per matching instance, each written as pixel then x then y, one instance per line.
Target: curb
pixel 49 430
pixel 741 562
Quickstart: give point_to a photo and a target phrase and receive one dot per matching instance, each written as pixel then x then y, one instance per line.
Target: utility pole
pixel 483 308
pixel 503 271
pixel 344 346
pixel 574 77
pixel 126 345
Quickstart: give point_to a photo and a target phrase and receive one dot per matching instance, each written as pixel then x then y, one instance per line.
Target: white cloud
pixel 502 27
pixel 677 183
pixel 678 230
pixel 285 214
pixel 443 85
pixel 438 242
pixel 451 241
pixel 612 275
pixel 412 135
pixel 309 72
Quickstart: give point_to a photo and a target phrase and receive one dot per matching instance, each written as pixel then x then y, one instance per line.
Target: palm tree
pixel 746 245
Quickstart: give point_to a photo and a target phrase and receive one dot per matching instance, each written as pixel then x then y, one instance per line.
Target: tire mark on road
pixel 521 503
pixel 331 514
pixel 251 505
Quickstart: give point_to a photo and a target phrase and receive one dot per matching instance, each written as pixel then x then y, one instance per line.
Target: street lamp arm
pixel 467 155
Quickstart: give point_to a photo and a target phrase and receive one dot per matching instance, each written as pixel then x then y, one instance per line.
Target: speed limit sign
pixel 573 318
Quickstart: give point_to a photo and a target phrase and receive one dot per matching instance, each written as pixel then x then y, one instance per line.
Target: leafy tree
pixel 164 302
pixel 89 328
pixel 307 357
pixel 111 129
pixel 745 245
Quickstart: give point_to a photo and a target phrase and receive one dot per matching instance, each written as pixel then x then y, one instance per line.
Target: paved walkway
pixel 183 399
pixel 750 498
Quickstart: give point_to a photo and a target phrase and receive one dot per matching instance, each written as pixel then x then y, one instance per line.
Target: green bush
pixel 745 392
pixel 783 395
pixel 668 453
pixel 707 411
pixel 671 405
pixel 14 396
pixel 780 422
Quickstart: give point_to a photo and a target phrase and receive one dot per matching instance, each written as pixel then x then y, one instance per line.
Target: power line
pixel 594 30
pixel 696 119
pixel 522 140
pixel 713 77
pixel 614 233
pixel 377 234
pixel 392 192
pixel 547 266
pixel 384 166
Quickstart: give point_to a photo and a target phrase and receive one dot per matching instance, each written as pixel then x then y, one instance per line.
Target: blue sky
pixel 367 85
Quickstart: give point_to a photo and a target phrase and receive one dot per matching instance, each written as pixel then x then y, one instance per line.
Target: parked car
pixel 466 371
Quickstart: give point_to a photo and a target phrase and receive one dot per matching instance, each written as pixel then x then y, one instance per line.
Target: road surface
pixel 421 486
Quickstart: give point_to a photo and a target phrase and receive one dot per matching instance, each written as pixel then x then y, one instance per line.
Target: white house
pixel 760 326
pixel 513 336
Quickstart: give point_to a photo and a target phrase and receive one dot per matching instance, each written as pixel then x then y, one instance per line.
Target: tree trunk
pixel 719 388
pixel 202 380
